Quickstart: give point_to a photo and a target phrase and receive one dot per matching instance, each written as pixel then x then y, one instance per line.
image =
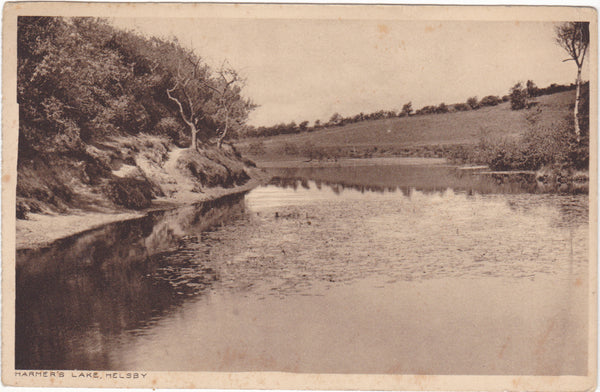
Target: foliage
pixel 574 38
pixel 407 109
pixel 490 100
pixel 541 145
pixel 473 102
pixel 532 90
pixel 80 80
pixel 461 107
pixel 518 97
pixel 257 147
pixel 442 108
pixel 336 119
pixel 129 192
pixel 171 127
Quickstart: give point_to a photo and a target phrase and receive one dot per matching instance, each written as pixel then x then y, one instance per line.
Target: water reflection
pixel 426 178
pixel 337 187
pixel 75 297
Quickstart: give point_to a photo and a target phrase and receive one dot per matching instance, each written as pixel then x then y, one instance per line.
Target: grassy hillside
pixel 425 135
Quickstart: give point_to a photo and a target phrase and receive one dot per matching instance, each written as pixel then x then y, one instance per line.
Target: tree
pixel 473 103
pixel 190 94
pixel 407 109
pixel 231 108
pixel 518 97
pixel 210 99
pixel 532 89
pixel 490 100
pixel 303 125
pixel 442 108
pixel 336 118
pixel 574 38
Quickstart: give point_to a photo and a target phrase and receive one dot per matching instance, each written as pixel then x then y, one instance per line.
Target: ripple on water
pixel 287 246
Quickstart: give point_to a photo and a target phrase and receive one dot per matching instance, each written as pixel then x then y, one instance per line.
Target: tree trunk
pixel 194 131
pixel 576 109
pixel 222 137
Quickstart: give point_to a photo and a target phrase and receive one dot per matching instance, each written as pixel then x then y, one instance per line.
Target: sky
pixel 307 69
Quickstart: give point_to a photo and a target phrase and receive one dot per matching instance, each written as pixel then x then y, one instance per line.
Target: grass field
pixel 425 135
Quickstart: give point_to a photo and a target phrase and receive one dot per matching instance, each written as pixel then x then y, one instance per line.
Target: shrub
pixel 461 107
pixel 129 192
pixel 473 103
pixel 532 89
pixel 313 152
pixel 442 108
pixel 490 100
pixel 257 147
pixel 427 110
pixel 518 97
pixel 168 126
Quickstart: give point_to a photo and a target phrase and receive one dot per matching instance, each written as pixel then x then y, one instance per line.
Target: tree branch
pixel 172 98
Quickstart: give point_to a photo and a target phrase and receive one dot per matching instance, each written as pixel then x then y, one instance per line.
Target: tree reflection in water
pixel 96 285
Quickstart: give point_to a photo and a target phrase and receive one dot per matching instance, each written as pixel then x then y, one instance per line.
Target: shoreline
pixel 42 229
pixel 349 162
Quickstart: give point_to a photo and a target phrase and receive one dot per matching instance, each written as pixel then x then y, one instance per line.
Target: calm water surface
pixel 360 270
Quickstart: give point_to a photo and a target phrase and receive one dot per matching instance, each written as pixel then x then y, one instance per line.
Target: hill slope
pixel 424 135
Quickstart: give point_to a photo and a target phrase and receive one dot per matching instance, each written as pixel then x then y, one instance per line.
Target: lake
pixel 399 269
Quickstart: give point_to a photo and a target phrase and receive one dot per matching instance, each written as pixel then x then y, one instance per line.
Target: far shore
pixel 348 162
pixel 42 229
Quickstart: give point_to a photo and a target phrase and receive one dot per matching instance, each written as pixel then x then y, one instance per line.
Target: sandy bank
pixel 42 229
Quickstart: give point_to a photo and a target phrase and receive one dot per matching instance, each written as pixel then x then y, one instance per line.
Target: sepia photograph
pixel 299 196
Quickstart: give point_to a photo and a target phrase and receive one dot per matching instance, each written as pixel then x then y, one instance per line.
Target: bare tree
pixel 574 38
pixel 189 94
pixel 231 108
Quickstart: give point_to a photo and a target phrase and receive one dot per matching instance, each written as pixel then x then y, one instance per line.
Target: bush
pixel 168 126
pixel 442 108
pixel 490 100
pixel 129 192
pixel 313 152
pixel 473 103
pixel 539 147
pixel 462 107
pixel 518 97
pixel 257 147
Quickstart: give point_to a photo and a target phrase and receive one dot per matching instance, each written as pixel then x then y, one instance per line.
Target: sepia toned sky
pixel 308 69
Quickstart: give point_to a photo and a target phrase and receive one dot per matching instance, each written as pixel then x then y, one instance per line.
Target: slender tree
pixel 407 109
pixel 190 95
pixel 574 38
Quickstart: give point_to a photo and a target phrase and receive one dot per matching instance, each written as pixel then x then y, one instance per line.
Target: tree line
pixel 80 80
pixel 519 92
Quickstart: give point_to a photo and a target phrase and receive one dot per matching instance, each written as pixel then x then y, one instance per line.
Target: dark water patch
pixel 426 178
pixel 76 297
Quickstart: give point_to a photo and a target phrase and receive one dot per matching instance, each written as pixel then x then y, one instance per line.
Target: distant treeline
pixel 472 103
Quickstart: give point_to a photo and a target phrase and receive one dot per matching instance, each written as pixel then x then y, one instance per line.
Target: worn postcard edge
pixel 278 380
